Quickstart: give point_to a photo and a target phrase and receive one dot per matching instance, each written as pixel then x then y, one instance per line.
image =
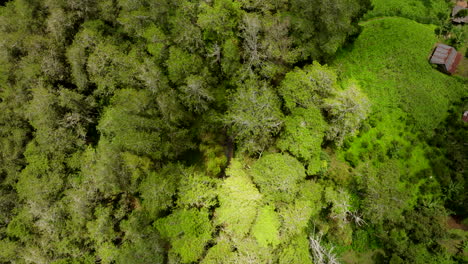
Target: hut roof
pixel 457 9
pixel 446 56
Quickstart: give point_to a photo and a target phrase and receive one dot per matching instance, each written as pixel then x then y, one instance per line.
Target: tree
pixel 14 134
pixel 386 195
pixel 181 64
pixel 77 54
pixel 110 68
pixel 196 94
pixel 231 55
pixel 345 113
pixel 188 231
pixel 141 243
pixel 196 190
pixel 266 226
pixel 250 29
pixel 320 253
pixel 308 87
pixel 277 46
pixel 158 188
pixel 133 123
pixel 278 176
pixel 238 202
pixel 220 20
pixel 303 135
pixel 220 253
pixel 296 251
pixel 249 251
pixel 254 116
pixel 320 28
pixel 185 33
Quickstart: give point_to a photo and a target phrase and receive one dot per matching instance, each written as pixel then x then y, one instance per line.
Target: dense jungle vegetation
pixel 231 131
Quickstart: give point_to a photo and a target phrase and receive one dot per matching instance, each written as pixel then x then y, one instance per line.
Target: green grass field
pixel 408 95
pixel 390 60
pixel 423 11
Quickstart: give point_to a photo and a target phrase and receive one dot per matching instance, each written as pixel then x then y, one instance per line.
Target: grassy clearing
pixel 462 69
pixel 423 11
pixel 390 60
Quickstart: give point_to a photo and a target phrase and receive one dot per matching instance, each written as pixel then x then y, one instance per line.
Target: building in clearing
pixel 465 116
pixel 446 57
pixel 458 9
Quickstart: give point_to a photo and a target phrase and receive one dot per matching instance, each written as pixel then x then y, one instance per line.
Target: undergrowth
pixel 423 11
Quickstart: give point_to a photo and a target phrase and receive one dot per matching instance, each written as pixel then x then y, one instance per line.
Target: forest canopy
pixel 227 131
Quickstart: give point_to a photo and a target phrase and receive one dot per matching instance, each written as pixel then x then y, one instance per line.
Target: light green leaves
pixel 188 231
pixel 308 87
pixel 346 112
pixel 278 176
pixel 266 227
pixel 238 202
pixel 181 64
pixel 254 116
pixel 303 135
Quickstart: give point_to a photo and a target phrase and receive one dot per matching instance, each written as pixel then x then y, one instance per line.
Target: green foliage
pixel 19 227
pixel 101 230
pixel 296 251
pixel 320 28
pixel 383 60
pixel 429 12
pixel 196 190
pixel 196 95
pixel 295 217
pixel 8 250
pixel 215 157
pixel 278 176
pixel 346 112
pixel 230 61
pixel 14 132
pixel 118 119
pixel 239 200
pixel 133 124
pixel 77 53
pixel 308 87
pixel 265 229
pixel 156 41
pixel 219 20
pixel 219 253
pixel 448 159
pixel 386 195
pixel 248 251
pixel 303 135
pixel 109 68
pixel 188 232
pixel 158 188
pixel 181 64
pixel 462 13
pixel 339 201
pixel 254 116
pixel 141 243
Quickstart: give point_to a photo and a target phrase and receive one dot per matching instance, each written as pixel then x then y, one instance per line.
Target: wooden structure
pixel 446 57
pixel 461 5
